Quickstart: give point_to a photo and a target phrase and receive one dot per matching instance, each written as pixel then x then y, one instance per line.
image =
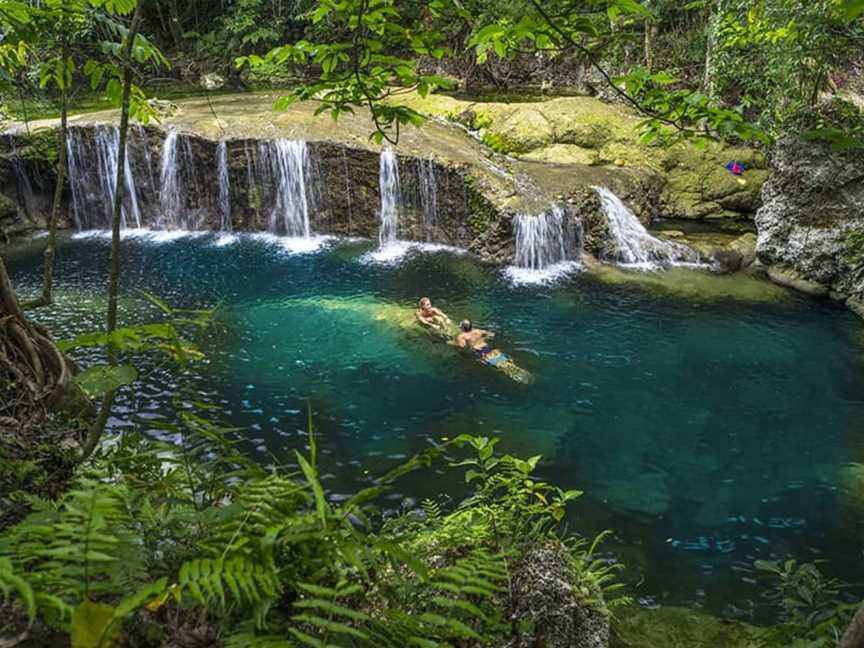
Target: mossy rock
pixel 587 131
pixel 521 130
pixel 852 484
pixel 745 245
pixel 41 146
pixel 791 278
pixel 7 208
pixel 563 154
pixel 672 627
pixel 700 186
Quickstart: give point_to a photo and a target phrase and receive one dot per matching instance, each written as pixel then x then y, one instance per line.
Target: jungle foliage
pixel 193 541
pixel 159 540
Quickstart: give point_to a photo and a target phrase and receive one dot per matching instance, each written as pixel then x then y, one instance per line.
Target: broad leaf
pixel 102 379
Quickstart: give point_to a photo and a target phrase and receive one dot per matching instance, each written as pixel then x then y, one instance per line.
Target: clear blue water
pixel 707 432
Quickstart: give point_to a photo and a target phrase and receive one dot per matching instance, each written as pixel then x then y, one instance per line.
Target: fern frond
pixel 85 546
pixel 211 582
pixel 258 509
pixel 432 509
pixel 249 640
pixel 327 613
pixel 11 583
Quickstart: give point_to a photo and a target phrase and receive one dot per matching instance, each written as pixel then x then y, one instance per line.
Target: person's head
pixel 466 326
pixel 425 303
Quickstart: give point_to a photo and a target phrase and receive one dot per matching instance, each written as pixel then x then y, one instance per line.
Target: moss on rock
pixel 699 185
pixel 673 627
pixel 585 131
pixel 41 146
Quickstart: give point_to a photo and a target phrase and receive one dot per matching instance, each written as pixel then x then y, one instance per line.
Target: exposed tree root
pixel 36 378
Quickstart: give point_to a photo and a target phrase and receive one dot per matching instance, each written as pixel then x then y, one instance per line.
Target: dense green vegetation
pixel 149 544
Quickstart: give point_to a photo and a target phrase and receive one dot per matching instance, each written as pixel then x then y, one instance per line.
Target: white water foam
pixel 224 240
pixel 536 277
pixel 293 244
pixel 135 233
pixel 394 253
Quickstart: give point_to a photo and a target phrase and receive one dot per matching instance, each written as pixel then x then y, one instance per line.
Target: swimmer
pixel 430 316
pixel 477 340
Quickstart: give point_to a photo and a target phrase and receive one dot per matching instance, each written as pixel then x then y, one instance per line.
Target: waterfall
pixel 171 182
pixel 224 186
pixel 544 240
pixel 391 198
pixel 347 183
pixel 23 186
pixel 635 247
pixel 287 163
pixel 428 192
pixel 92 176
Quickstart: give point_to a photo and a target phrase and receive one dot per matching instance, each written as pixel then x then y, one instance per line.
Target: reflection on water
pixel 709 419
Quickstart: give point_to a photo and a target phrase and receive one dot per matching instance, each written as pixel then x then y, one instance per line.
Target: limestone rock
pixel 211 81
pixel 545 595
pixel 699 186
pixel 811 225
pixel 745 245
pixel 793 279
pixel 588 131
pixel 520 131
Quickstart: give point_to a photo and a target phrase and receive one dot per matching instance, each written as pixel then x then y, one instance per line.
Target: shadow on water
pixel 709 419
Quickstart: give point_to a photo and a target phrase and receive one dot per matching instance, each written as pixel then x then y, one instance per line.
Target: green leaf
pixel 102 379
pixel 312 478
pixel 852 9
pixel 93 625
pixel 140 598
pixel 633 7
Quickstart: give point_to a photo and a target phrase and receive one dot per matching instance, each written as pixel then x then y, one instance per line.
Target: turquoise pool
pixel 710 420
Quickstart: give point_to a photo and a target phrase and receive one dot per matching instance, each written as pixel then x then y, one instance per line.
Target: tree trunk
pixel 95 432
pixel 710 45
pixel 51 248
pixel 854 635
pixel 650 34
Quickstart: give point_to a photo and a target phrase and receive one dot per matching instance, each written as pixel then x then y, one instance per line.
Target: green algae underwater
pixel 710 420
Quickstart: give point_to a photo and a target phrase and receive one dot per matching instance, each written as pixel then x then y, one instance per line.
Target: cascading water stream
pixel 391 197
pixel 92 175
pixel 635 247
pixel 428 192
pixel 288 165
pixel 547 246
pixel 171 182
pixel 23 186
pixel 544 240
pixel 224 186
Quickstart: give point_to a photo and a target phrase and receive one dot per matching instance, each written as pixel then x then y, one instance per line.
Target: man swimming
pixel 476 339
pixel 430 316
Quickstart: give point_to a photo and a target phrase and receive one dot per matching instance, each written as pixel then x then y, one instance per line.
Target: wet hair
pixel 466 325
pixel 422 299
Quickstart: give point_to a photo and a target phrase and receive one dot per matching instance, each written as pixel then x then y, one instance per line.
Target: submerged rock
pixel 811 226
pixel 791 278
